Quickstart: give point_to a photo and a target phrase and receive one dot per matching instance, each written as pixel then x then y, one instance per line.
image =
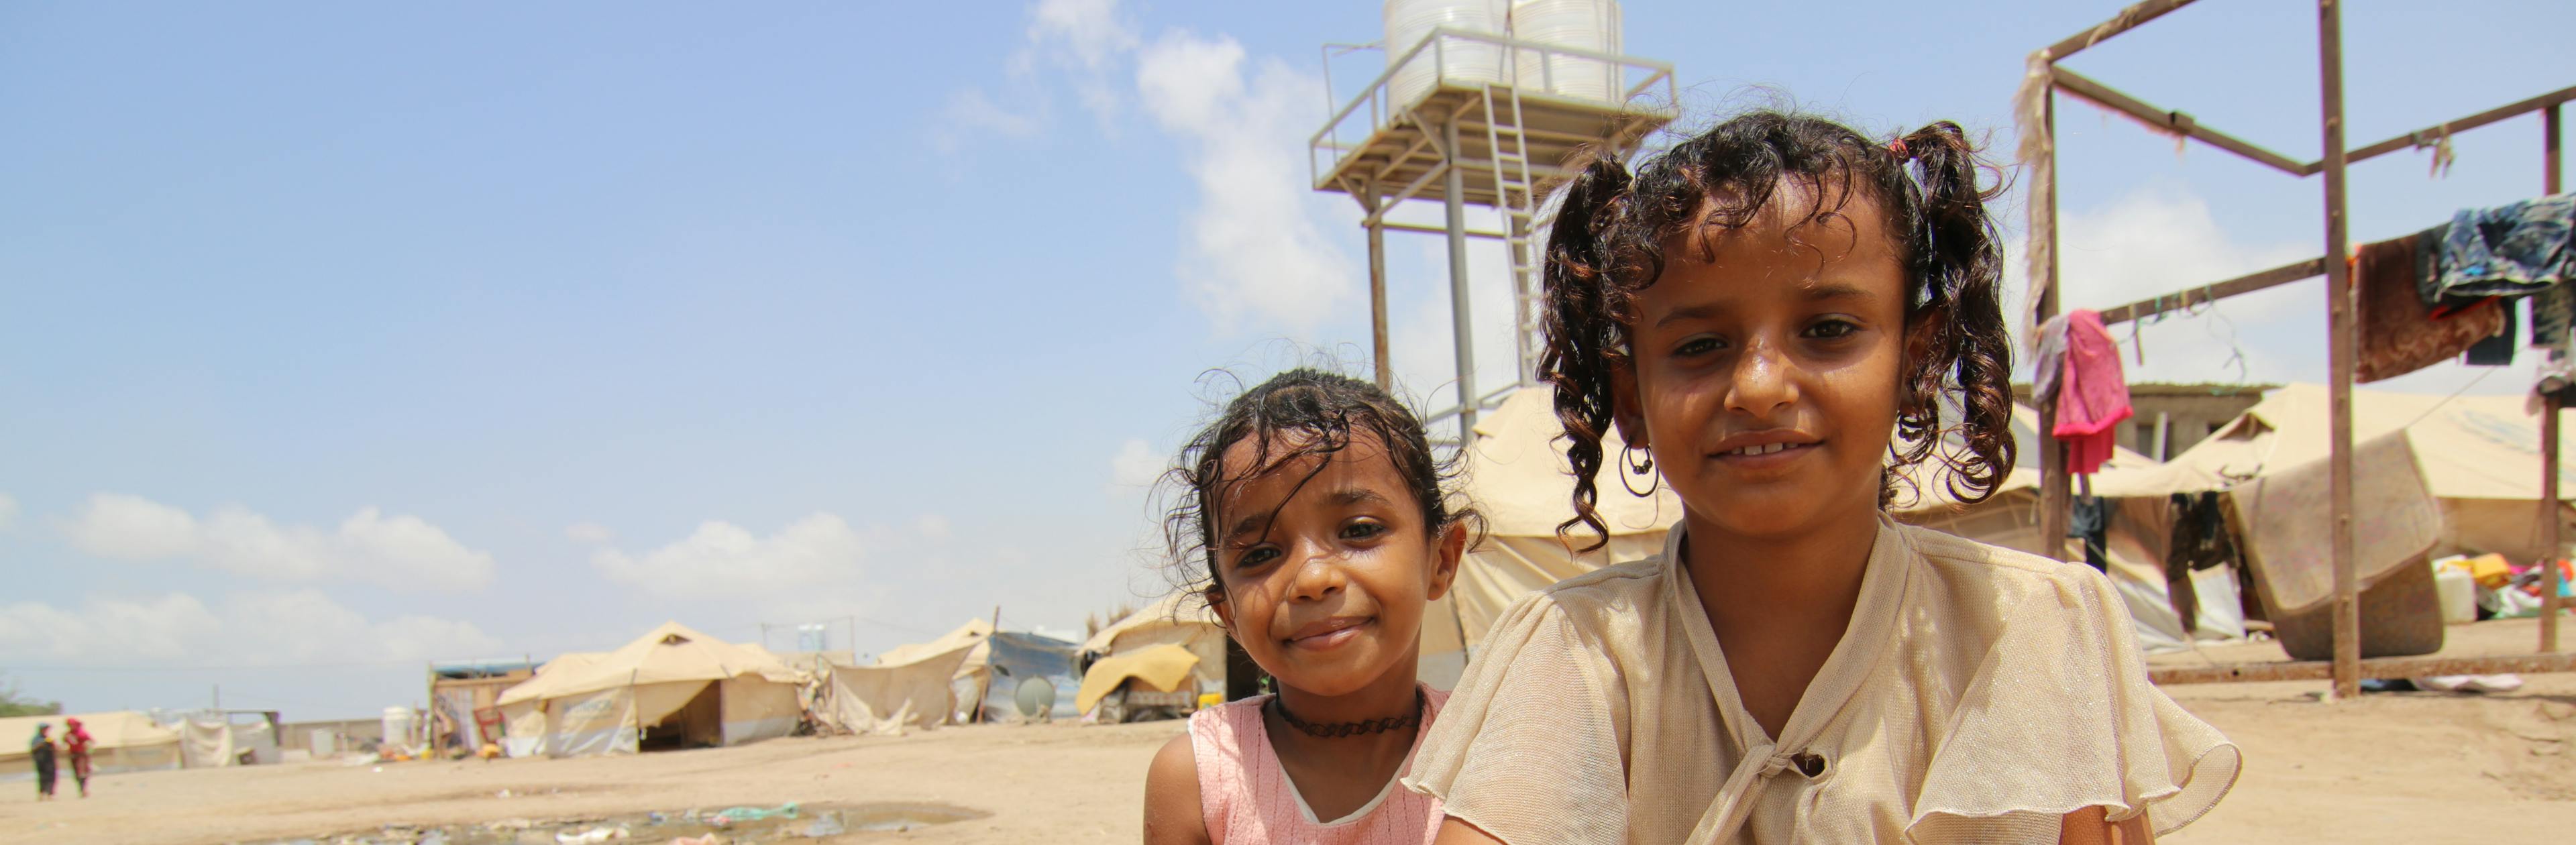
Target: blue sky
pixel 334 339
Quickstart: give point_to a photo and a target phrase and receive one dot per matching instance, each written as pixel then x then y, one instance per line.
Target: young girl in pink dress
pixel 1312 513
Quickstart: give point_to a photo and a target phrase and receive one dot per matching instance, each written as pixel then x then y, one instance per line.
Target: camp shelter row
pixel 133 741
pixel 677 687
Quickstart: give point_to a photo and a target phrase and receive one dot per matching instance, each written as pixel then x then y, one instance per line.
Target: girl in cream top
pixel 1762 311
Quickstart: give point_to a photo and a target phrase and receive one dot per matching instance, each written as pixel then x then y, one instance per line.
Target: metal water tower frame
pixel 1486 143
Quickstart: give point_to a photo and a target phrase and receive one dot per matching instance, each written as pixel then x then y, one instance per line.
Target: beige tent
pixel 122 741
pixel 974 672
pixel 892 699
pixel 1518 477
pixel 672 687
pixel 2479 454
pixel 524 717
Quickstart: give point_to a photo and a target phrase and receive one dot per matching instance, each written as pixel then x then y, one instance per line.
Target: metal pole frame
pixel 2346 669
pixel 1454 177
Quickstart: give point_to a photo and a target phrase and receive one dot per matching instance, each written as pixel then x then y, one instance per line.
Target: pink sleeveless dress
pixel 1247 798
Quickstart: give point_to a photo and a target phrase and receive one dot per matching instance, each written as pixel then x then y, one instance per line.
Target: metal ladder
pixel 1517 200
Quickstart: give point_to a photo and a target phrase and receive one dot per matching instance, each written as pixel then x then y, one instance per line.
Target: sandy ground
pixel 2397 768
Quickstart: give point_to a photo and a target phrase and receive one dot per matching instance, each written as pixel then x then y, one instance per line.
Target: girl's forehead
pixel 1253 473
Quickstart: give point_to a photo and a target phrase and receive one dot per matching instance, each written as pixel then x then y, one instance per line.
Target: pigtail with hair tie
pixel 1961 257
pixel 1582 332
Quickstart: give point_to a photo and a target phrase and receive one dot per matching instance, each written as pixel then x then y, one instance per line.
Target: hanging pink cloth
pixel 2093 396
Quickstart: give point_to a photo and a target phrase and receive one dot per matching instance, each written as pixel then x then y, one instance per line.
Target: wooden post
pixel 2550 578
pixel 2055 503
pixel 2340 345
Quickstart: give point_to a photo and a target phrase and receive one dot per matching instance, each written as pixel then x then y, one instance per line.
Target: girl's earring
pixel 1645 466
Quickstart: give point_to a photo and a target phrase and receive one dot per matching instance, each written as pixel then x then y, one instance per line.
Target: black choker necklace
pixel 1359 728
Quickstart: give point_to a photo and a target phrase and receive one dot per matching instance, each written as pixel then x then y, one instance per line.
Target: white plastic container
pixel 1582 24
pixel 325 743
pixel 2459 594
pixel 1408 22
pixel 398 727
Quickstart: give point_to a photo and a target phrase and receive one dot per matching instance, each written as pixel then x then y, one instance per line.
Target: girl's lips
pixel 1785 454
pixel 1329 634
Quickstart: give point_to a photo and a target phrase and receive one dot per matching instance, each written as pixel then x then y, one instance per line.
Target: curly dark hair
pixel 1611 234
pixel 1300 413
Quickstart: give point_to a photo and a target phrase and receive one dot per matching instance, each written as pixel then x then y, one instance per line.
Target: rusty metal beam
pixel 2382 667
pixel 2179 123
pixel 2542 103
pixel 2056 501
pixel 2214 291
pixel 2126 20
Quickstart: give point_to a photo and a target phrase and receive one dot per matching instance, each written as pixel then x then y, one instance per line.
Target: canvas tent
pixel 523 718
pixel 891 699
pixel 989 677
pixel 2480 455
pixel 1181 619
pixel 1519 479
pixel 125 741
pixel 672 687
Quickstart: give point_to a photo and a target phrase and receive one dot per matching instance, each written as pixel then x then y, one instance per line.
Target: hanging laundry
pixel 2509 250
pixel 2553 316
pixel 2497 349
pixel 2046 362
pixel 2094 395
pixel 2198 542
pixel 2092 522
pixel 2399 333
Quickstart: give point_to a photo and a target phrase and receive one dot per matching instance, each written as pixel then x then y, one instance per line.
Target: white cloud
pixel 589 532
pixel 8 512
pixel 1086 38
pixel 399 550
pixel 2163 238
pixel 299 626
pixel 970 112
pixel 1258 252
pixel 1135 465
pixel 933 526
pixel 724 560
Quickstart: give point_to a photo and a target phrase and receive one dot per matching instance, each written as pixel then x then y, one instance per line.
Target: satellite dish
pixel 1036 698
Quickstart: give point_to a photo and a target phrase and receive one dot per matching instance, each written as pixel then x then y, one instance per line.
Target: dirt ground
pixel 2397 768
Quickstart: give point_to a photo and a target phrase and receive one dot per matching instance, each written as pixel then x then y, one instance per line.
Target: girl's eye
pixel 1831 329
pixel 1257 556
pixel 1698 346
pixel 1362 531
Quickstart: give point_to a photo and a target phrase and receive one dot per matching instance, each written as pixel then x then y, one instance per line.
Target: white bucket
pixel 2459 594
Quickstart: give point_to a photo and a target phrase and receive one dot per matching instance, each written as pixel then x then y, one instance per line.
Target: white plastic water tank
pixel 1408 22
pixel 398 727
pixel 1583 24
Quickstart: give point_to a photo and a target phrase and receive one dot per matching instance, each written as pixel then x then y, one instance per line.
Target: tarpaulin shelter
pixel 1518 477
pixel 671 688
pixel 122 741
pixel 1162 667
pixel 891 699
pixel 217 738
pixel 463 695
pixel 1182 619
pixel 995 665
pixel 524 717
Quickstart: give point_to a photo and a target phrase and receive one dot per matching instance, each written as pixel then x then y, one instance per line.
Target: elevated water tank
pixel 1582 24
pixel 1455 60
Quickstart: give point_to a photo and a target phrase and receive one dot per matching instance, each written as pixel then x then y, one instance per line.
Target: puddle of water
pixel 691 825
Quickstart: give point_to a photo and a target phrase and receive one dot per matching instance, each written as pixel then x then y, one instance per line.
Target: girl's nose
pixel 1318 575
pixel 1765 381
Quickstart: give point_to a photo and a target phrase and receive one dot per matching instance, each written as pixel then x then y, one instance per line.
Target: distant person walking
pixel 41 749
pixel 76 742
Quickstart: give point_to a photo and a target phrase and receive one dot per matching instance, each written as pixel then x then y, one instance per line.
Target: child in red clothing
pixel 76 742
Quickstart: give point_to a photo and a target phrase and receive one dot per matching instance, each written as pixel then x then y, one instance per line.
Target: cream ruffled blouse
pixel 1979 695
